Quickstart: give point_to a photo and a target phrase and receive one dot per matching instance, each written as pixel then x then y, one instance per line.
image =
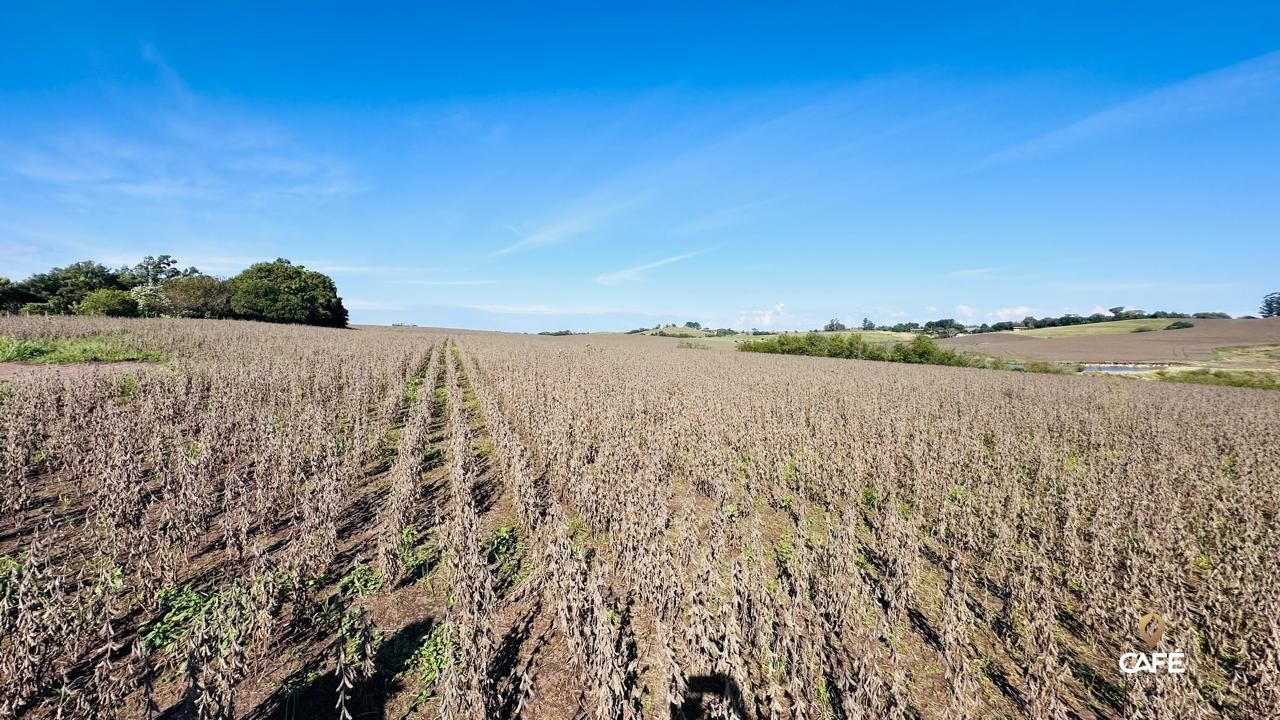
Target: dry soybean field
pixel 284 522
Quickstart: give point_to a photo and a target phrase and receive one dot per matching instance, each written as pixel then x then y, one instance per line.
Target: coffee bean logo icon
pixel 1151 629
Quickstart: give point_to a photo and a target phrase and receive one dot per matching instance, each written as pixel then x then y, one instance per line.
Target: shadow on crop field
pixel 312 691
pixel 705 692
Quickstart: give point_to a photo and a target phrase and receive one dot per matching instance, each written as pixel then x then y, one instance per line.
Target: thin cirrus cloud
pixel 517 309
pixel 974 272
pixel 637 272
pixel 1012 313
pixel 373 305
pixel 594 215
pixel 1123 286
pixel 541 309
pixel 1203 93
pixel 456 283
pixel 16 249
pixel 537 309
pixel 180 148
pixel 1116 286
pixel 727 217
pixel 338 268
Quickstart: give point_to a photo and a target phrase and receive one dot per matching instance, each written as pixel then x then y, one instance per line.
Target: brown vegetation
pixel 303 522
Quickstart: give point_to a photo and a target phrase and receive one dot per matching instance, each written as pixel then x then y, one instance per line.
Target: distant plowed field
pixel 1190 345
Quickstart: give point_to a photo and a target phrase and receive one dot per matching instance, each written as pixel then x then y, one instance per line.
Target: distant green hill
pixel 1115 327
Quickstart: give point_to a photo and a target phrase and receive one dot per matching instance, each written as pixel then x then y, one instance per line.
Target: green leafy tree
pixel 1270 306
pixel 282 292
pixel 151 300
pixel 153 271
pixel 867 324
pixel 13 296
pixel 114 303
pixel 834 325
pixel 64 287
pixel 197 296
pixel 693 325
pixel 946 327
pixel 38 308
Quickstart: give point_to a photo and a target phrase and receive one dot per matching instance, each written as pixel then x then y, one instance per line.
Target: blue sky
pixel 548 165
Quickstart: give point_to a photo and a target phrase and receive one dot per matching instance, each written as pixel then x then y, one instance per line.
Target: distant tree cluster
pixel 1270 305
pixel 921 350
pixel 1115 313
pixel 949 327
pixel 673 330
pixel 277 291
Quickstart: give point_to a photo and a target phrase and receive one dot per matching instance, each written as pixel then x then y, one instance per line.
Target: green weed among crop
pixel 418 559
pixel 9 567
pixel 362 580
pixel 870 498
pixel 411 389
pixel 783 552
pixel 180 608
pixel 1231 378
pixel 506 553
pixel 429 661
pixel 97 348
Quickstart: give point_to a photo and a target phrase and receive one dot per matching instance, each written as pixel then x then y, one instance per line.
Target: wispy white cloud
pixel 1011 313
pixel 520 309
pixel 556 232
pixel 456 283
pixel 591 214
pixel 181 147
pixel 974 272
pixel 170 77
pixel 965 311
pixel 1207 92
pixel 635 273
pixel 7 248
pixel 376 305
pixel 1111 287
pixel 341 268
pixel 1146 285
pixel 763 318
pixel 166 168
pixel 726 217
pixel 542 309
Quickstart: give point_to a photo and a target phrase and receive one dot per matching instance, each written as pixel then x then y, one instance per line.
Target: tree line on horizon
pixel 949 327
pixel 277 291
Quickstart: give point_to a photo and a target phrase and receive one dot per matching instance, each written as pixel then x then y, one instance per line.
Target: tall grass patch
pixel 98 348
